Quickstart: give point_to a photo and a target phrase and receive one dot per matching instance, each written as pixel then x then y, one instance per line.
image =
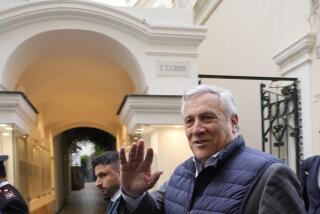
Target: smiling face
pixel 207 128
pixel 108 179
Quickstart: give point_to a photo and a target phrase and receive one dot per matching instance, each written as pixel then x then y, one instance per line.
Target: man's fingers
pixel 149 156
pixel 132 153
pixel 148 160
pixel 140 151
pixel 122 156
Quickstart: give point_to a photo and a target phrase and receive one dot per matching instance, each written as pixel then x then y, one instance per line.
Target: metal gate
pixel 280 116
pixel 281 123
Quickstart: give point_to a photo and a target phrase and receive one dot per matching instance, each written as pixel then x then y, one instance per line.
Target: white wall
pixel 243 37
pixel 173 146
pixel 315 86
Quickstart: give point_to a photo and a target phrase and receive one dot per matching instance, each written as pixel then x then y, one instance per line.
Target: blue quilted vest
pixel 221 187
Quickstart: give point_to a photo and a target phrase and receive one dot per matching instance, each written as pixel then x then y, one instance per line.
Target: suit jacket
pixel 309 172
pixel 277 191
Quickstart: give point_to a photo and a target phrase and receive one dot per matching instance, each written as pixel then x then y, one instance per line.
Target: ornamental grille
pixel 281 122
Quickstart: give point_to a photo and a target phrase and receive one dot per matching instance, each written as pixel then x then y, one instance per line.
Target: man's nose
pixel 98 183
pixel 197 127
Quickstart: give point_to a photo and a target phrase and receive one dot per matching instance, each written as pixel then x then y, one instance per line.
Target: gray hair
pixel 228 102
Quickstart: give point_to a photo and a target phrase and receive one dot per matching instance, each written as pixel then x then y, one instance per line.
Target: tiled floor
pixel 86 201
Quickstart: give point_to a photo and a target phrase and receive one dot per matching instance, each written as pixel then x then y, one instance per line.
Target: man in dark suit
pixel 107 173
pixel 11 201
pixel 310 179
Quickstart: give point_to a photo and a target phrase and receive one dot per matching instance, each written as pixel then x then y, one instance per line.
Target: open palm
pixel 135 172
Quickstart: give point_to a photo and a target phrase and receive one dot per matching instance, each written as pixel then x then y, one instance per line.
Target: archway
pixel 72 82
pixel 70 174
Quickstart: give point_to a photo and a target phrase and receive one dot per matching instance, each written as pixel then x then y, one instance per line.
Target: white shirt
pixel 116 196
pixel 3 183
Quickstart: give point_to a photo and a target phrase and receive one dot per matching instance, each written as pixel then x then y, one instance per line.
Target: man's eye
pixel 102 175
pixel 188 122
pixel 207 119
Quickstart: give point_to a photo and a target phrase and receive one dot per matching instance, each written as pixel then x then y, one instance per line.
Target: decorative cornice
pixel 149 109
pixel 294 66
pixel 13 94
pixel 203 9
pixel 298 48
pixel 171 53
pixel 16 103
pixel 40 11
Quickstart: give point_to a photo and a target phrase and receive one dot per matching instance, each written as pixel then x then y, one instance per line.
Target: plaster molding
pixel 139 110
pixel 144 3
pixel 203 9
pixel 36 12
pixel 298 48
pixel 295 55
pixel 14 108
pixel 290 67
pixel 171 53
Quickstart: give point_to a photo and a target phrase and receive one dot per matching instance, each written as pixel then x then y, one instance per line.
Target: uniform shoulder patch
pixel 8 194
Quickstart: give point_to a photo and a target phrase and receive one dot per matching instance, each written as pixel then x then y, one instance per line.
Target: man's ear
pixel 234 123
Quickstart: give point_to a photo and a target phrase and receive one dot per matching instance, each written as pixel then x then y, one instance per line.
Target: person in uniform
pixel 11 201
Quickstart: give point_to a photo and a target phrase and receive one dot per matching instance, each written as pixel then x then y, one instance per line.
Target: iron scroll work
pixel 281 123
pixel 280 116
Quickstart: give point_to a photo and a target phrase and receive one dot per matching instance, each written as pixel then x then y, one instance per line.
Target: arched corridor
pixel 73 169
pixel 86 201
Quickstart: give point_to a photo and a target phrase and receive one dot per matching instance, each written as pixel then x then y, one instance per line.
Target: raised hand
pixel 135 173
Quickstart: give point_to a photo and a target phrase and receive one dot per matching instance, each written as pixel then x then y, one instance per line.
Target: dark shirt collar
pixel 214 159
pixel 198 165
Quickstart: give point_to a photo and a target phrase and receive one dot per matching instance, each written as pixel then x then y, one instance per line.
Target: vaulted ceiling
pixel 73 83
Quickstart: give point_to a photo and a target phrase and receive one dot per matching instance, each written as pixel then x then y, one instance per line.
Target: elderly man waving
pixel 222 176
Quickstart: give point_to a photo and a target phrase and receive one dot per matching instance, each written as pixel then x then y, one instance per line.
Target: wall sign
pixel 173 69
